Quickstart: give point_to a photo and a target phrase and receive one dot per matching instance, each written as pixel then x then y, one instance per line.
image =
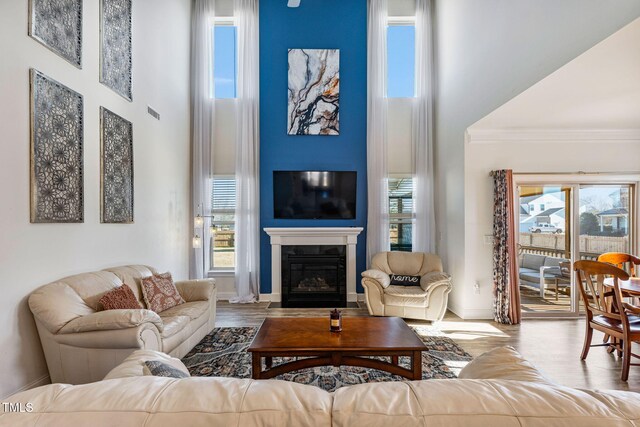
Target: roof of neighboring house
pixel 552 211
pixel 533 219
pixel 614 211
pixel 522 211
pixel 527 199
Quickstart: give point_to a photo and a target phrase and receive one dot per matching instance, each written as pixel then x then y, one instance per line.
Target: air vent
pixel 153 113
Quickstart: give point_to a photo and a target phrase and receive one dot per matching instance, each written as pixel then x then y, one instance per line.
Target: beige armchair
pixel 82 344
pixel 427 301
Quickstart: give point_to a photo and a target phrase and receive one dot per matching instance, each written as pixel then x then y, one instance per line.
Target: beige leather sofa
pixel 498 389
pixel 82 344
pixel 427 301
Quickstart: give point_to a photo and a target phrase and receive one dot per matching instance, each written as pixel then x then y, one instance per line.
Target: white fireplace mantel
pixel 347 236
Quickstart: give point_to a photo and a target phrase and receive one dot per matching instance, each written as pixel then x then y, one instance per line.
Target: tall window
pixel 401 39
pixel 401 213
pixel 224 57
pixel 223 202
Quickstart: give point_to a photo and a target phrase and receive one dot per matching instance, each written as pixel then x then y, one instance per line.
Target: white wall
pixel 488 52
pixel 34 254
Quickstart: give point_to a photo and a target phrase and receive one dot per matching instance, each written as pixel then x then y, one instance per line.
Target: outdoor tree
pixel 589 224
pixel 596 203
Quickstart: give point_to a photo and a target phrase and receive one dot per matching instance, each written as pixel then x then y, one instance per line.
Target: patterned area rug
pixel 223 353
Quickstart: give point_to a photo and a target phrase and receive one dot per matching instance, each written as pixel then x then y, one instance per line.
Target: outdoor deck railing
pixel 557 253
pixel 554 245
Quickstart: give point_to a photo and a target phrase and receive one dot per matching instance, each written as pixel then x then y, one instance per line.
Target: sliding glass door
pixel 563 223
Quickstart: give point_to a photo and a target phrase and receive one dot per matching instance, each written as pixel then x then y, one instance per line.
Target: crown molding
pixel 489 136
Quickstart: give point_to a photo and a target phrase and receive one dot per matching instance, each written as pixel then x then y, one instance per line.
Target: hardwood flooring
pixel 553 346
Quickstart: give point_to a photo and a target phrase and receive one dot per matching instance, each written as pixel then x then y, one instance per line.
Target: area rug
pixel 223 353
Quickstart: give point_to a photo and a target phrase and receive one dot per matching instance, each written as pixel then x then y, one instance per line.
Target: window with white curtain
pixel 401 216
pixel 223 203
pixel 401 38
pixel 225 58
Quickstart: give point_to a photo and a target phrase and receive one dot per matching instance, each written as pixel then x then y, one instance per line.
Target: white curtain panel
pixel 247 154
pixel 377 184
pixel 202 110
pixel 424 228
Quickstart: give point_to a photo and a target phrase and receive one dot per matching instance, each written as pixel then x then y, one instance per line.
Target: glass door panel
pixel 605 213
pixel 545 250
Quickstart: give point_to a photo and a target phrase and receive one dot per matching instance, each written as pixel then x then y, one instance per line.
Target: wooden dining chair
pixel 620 260
pixel 620 322
pixel 625 261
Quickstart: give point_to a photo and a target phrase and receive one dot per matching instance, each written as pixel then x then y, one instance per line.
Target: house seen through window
pixel 223 202
pixel 401 213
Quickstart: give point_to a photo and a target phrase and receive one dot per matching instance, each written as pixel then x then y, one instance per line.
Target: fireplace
pixel 281 237
pixel 314 275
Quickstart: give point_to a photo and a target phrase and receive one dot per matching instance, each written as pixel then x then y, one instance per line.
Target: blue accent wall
pixel 316 24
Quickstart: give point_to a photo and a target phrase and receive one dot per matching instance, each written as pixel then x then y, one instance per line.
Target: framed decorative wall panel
pixel 314 92
pixel 57 24
pixel 115 46
pixel 57 133
pixel 116 168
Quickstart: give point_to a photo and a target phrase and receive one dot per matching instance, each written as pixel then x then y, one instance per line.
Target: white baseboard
pixel 454 309
pixel 477 314
pixel 352 297
pixel 225 296
pixel 264 297
pixel 43 380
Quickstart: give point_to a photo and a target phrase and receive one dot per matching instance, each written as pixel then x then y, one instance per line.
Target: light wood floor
pixel 554 346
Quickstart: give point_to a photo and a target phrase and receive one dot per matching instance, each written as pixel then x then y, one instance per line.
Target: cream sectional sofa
pixel 82 344
pixel 497 389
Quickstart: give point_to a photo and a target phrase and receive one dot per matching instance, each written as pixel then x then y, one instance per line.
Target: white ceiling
pixel 600 89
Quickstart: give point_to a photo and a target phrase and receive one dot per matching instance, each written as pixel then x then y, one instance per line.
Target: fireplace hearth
pixel 314 276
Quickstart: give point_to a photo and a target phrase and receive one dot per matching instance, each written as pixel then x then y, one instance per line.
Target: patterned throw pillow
pixel 160 292
pixel 121 297
pixel 161 369
pixel 403 280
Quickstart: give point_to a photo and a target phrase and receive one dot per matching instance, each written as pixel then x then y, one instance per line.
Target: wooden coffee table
pixel 310 338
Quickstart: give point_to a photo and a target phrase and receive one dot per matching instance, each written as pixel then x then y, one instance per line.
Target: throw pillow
pixel 160 292
pixel 119 298
pixel 404 280
pixel 161 369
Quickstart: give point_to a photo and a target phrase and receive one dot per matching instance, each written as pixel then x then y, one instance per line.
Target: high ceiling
pixel 599 89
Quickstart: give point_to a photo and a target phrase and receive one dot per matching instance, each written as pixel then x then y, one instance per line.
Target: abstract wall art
pixel 115 46
pixel 116 168
pixel 57 24
pixel 314 92
pixel 57 182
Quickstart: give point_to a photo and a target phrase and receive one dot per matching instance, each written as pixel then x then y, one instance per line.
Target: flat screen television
pixel 314 194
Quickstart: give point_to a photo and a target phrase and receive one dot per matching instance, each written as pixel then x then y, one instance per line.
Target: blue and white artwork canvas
pixel 314 92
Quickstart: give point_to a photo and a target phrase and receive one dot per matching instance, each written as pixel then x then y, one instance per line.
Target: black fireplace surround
pixel 314 276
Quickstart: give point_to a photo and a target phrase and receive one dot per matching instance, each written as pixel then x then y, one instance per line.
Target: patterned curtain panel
pixel 506 305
